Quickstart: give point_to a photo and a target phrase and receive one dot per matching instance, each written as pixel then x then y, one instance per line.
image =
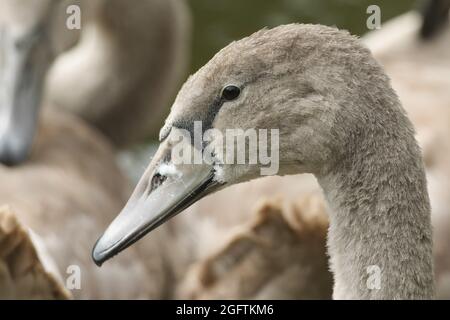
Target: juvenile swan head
pixel 318 86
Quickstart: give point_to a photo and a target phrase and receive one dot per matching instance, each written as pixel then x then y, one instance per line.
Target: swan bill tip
pixel 98 255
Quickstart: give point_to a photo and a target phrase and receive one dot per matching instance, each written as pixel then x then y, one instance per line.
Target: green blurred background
pixel 218 22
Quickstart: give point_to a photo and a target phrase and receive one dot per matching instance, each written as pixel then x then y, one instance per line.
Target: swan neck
pixel 380 239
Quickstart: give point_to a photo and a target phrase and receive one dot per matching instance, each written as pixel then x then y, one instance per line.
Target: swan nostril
pixel 157 180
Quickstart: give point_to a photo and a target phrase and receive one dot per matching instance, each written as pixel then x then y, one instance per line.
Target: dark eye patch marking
pixel 207 118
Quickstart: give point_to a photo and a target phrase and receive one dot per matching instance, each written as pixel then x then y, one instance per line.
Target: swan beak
pixel 164 190
pixel 23 64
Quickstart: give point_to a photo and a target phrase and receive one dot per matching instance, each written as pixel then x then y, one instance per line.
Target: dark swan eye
pixel 231 92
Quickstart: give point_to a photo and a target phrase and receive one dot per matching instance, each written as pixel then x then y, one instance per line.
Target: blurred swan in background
pixel 280 253
pixel 26 270
pixel 25 55
pixel 435 15
pixel 66 193
pixel 120 76
pixel 225 240
pixel 70 186
pixel 126 68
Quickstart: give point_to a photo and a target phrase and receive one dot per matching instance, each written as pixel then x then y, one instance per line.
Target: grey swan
pixel 128 63
pixel 64 195
pixel 125 79
pixel 67 189
pixel 408 42
pixel 339 119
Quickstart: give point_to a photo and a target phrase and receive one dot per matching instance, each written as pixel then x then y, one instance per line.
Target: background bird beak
pixel 24 60
pixel 164 190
